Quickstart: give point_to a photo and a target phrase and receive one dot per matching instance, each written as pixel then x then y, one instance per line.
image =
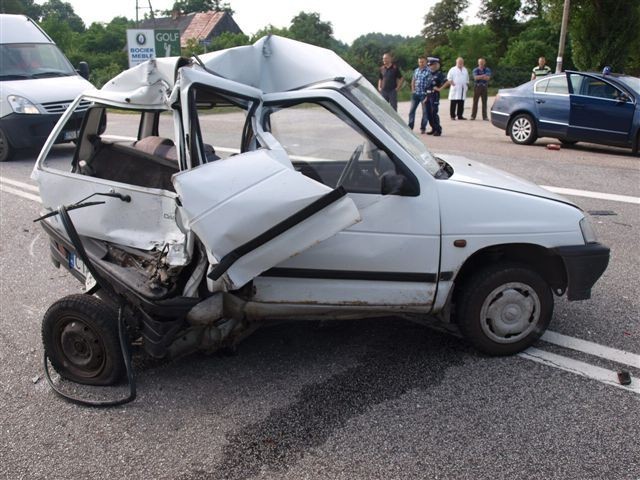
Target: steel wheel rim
pixel 80 347
pixel 521 129
pixel 510 312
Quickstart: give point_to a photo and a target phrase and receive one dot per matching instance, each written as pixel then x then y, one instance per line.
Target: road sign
pixel 145 44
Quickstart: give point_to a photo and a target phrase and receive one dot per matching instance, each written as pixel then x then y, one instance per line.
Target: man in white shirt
pixel 458 79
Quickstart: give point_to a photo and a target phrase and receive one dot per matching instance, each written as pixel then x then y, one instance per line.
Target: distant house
pixel 199 26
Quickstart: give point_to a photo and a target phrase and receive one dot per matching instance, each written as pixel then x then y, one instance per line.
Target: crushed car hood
pixel 477 173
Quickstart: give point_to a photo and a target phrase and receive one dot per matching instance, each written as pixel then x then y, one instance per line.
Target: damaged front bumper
pixel 584 265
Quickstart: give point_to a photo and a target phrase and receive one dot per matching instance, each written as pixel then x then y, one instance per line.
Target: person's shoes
pixel 422 132
pixel 472 118
pixel 461 118
pixel 485 119
pixel 453 118
pixel 437 134
pixel 431 132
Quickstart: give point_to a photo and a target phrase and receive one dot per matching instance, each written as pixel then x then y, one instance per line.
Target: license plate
pixel 77 264
pixel 70 135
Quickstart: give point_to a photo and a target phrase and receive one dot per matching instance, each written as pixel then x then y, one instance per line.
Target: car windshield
pixel 370 101
pixel 33 60
pixel 632 82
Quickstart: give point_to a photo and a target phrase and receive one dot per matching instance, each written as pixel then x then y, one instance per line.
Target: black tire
pixel 6 151
pixel 80 337
pixel 504 308
pixel 567 143
pixel 522 129
pixel 635 149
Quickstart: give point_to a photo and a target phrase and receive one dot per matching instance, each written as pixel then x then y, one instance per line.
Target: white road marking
pixel 601 351
pixel 599 195
pixel 583 369
pixel 33 242
pixel 19 193
pixel 24 186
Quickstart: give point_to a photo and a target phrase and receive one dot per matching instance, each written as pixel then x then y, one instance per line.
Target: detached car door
pixel 599 111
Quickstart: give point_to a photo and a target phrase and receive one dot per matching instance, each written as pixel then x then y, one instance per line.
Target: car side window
pixel 558 85
pixel 326 145
pixel 594 87
pixel 541 87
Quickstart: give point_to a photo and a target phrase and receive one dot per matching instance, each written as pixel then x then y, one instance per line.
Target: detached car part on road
pixel 324 206
pixel 572 107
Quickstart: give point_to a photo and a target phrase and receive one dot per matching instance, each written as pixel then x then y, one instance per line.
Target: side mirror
pixel 392 183
pixel 83 70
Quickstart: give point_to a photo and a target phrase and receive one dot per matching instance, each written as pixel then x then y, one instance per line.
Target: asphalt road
pixel 374 399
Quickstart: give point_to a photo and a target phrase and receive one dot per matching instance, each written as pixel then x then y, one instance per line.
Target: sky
pixel 350 18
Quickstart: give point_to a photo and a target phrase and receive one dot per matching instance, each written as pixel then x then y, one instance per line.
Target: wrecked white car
pixel 313 201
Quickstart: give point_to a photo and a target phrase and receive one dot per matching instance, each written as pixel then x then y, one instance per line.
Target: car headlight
pixel 22 105
pixel 588 233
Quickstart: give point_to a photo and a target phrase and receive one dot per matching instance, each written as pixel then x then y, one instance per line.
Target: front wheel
pixel 504 309
pixel 522 129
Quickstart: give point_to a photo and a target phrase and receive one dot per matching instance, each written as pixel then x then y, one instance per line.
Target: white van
pixel 37 84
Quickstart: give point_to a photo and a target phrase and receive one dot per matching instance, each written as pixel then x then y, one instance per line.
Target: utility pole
pixel 563 35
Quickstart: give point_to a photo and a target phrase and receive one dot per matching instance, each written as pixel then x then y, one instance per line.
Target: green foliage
pixel 228 40
pixel 603 32
pixel 21 7
pixel 441 19
pixel 192 6
pixel 500 16
pixel 62 12
pixel 472 42
pixel 307 27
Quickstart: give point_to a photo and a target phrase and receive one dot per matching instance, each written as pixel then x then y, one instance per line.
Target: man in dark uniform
pixel 435 82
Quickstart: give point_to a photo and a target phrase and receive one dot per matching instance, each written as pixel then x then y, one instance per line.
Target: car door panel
pixel 596 114
pixel 252 212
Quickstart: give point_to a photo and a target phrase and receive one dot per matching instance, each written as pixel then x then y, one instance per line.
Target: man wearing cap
pixel 418 93
pixel 434 84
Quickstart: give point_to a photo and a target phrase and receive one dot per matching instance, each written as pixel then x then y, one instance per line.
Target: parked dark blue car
pixel 572 107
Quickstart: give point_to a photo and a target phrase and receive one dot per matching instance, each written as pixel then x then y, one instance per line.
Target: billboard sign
pixel 145 44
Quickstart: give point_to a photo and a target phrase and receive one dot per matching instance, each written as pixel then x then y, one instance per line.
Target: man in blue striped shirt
pixel 418 93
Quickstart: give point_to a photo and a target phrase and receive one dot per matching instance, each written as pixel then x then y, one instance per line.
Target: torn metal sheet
pixel 266 193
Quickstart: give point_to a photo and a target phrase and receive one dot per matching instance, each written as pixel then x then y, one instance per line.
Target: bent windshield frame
pixel 369 101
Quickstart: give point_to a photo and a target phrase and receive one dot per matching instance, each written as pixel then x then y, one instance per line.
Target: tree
pixel 190 6
pixel 443 17
pixel 500 16
pixel 307 27
pixel 21 7
pixel 59 11
pixel 603 32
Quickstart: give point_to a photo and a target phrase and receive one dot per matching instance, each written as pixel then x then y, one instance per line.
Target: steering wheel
pixel 351 166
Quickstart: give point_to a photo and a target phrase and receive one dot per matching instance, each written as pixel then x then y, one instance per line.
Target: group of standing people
pixel 427 82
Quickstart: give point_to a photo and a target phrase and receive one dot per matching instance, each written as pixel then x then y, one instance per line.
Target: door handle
pixel 540 101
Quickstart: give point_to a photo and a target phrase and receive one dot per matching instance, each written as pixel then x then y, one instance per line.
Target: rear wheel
pixel 504 309
pixel 635 149
pixel 522 129
pixel 80 337
pixel 6 151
